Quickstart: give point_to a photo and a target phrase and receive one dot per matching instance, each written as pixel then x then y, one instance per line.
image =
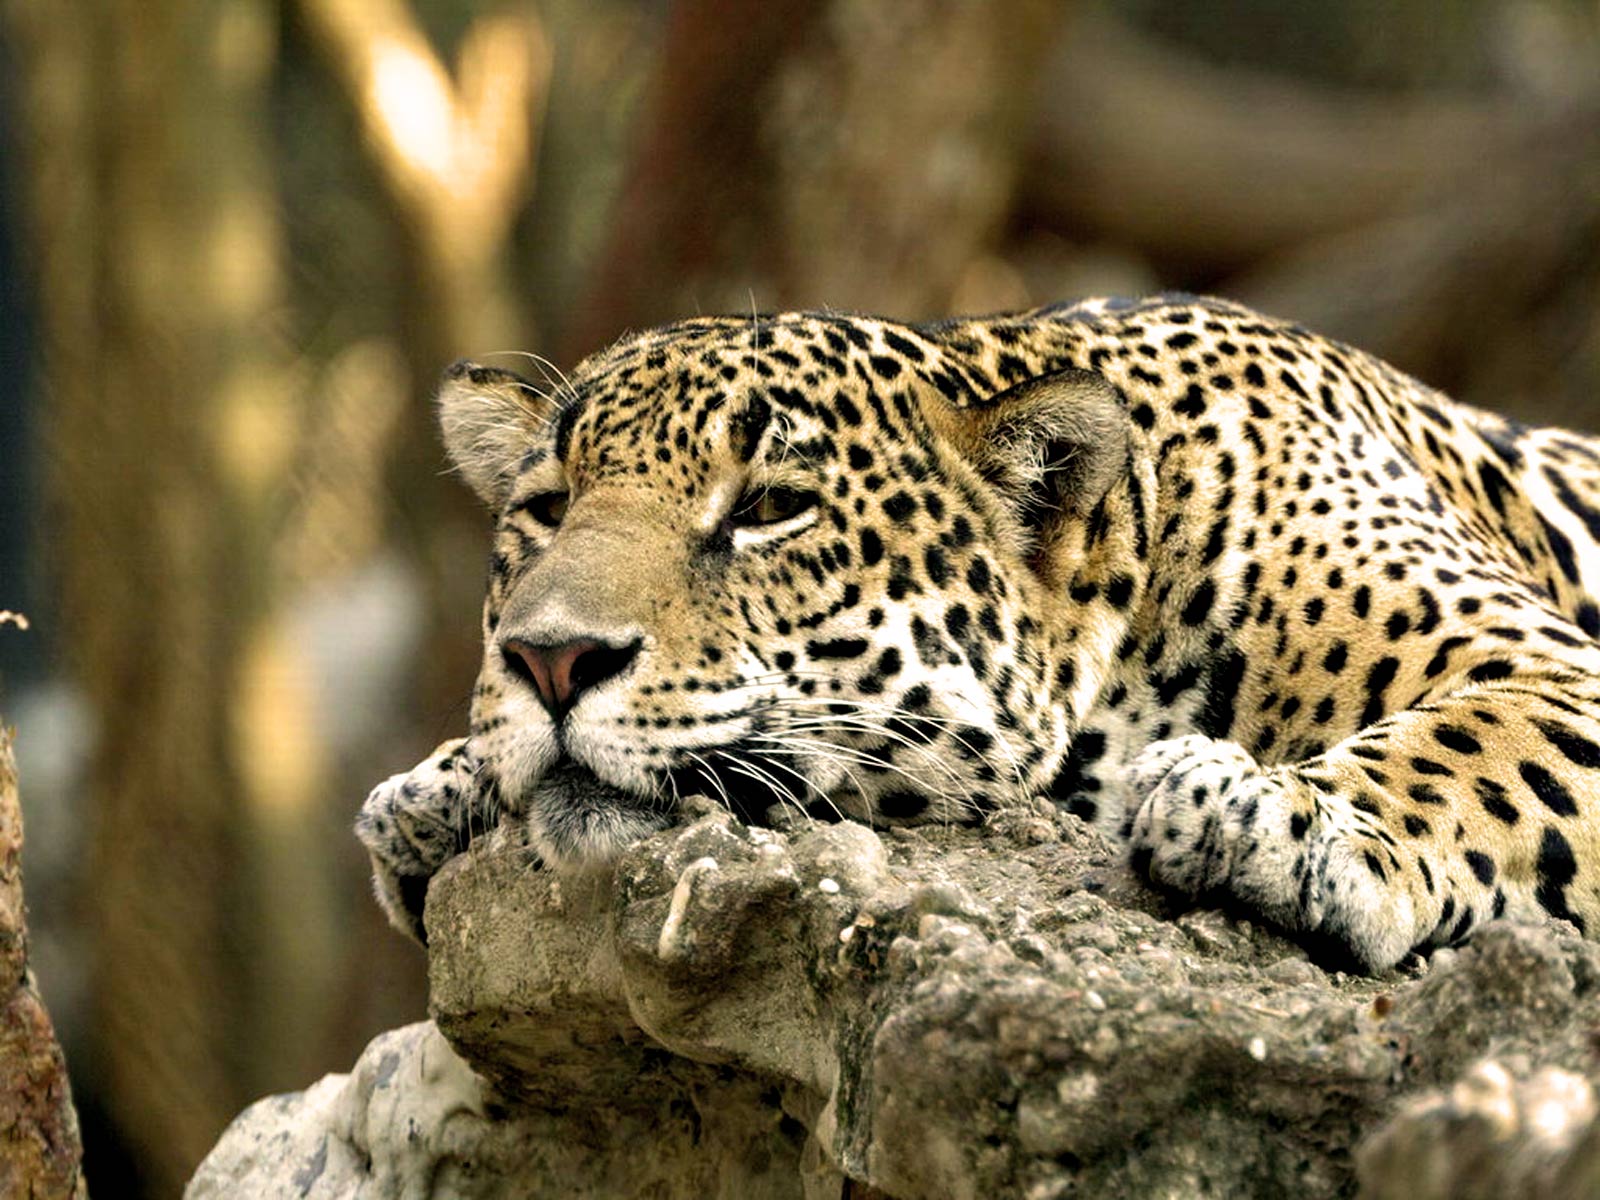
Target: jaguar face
pixel 781 563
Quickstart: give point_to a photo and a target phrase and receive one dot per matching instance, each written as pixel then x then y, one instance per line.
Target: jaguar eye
pixel 769 506
pixel 547 508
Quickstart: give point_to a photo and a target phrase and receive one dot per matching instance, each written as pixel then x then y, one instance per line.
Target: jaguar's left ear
pixel 1053 445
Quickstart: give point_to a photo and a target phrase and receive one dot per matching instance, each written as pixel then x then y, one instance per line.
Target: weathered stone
pixel 1499 1132
pixel 948 1013
pixel 412 1121
pixel 40 1155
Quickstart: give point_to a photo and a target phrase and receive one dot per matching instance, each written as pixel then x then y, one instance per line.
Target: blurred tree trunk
pixel 849 153
pixel 173 429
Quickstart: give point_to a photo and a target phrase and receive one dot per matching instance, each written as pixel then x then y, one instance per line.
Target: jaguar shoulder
pixel 1299 630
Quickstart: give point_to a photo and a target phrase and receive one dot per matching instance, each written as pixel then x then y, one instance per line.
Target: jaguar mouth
pixel 577 818
pixel 571 783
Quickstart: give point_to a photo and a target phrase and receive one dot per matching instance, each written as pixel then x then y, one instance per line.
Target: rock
pixel 40 1154
pixel 412 1120
pixel 1500 1131
pixel 948 1013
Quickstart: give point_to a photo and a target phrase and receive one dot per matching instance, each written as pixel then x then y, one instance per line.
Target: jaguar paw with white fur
pixel 413 823
pixel 1202 798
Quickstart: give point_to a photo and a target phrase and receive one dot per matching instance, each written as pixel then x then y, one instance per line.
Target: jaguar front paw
pixel 1215 823
pixel 412 824
pixel 1201 800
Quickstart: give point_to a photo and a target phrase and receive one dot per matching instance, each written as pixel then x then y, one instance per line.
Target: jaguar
pixel 1307 636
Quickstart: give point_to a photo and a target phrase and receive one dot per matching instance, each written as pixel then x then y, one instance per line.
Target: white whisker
pixel 841 755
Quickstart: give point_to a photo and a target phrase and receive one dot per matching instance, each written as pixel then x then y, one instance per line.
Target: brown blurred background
pixel 239 239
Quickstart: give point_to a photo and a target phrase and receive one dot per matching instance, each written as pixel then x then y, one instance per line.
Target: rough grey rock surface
pixel 1502 1130
pixel 412 1121
pixel 939 1013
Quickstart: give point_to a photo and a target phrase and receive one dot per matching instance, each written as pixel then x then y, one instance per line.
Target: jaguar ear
pixel 490 419
pixel 1053 445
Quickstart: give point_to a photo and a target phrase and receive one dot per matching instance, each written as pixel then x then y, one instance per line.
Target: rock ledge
pixel 931 1013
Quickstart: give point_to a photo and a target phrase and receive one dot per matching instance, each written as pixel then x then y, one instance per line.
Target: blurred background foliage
pixel 239 239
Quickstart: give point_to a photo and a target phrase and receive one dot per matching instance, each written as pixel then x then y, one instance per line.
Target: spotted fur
pixel 1304 633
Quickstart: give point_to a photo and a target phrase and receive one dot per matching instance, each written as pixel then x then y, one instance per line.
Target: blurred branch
pixel 1207 169
pixel 39 1147
pixel 456 157
pixel 1433 285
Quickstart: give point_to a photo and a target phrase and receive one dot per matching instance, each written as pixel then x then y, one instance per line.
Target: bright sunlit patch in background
pixel 413 98
pixel 242 253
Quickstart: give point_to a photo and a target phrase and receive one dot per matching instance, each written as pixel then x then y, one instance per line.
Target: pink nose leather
pixel 554 670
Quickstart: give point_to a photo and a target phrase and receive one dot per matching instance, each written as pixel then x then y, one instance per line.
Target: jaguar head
pixel 810 561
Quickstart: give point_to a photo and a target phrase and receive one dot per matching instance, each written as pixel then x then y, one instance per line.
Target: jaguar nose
pixel 561 672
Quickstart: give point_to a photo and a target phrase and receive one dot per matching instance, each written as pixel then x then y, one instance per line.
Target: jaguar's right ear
pixel 490 419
